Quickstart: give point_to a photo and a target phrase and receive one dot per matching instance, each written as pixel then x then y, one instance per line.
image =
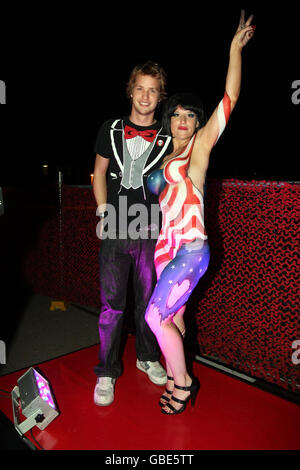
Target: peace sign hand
pixel 245 31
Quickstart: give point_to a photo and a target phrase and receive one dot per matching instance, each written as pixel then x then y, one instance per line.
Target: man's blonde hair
pixel 149 68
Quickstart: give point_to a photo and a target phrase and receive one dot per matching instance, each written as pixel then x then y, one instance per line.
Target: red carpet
pixel 228 415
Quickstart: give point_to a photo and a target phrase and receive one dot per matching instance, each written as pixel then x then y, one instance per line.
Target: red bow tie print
pixel 131 132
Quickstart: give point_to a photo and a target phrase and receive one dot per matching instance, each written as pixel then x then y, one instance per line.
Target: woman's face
pixel 183 123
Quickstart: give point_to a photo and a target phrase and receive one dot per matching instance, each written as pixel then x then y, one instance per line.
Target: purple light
pixel 44 389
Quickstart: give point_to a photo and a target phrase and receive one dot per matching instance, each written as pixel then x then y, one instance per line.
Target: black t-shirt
pixel 134 152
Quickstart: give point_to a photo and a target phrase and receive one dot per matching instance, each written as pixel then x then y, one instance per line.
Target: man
pixel 127 150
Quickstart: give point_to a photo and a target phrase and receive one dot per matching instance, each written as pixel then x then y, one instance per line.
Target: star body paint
pixel 179 278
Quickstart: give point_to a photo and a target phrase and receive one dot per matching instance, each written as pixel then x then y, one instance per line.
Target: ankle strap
pixel 170 378
pixel 186 389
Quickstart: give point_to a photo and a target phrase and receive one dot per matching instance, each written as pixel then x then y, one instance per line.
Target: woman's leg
pixel 170 342
pixel 179 321
pixel 173 288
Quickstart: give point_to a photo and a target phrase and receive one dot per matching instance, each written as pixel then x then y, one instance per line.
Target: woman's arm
pixel 210 133
pixel 234 73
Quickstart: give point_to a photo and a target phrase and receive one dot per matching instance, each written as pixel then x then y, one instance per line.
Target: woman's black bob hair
pixel 186 101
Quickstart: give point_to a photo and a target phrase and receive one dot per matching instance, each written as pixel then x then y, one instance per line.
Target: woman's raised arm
pixel 210 133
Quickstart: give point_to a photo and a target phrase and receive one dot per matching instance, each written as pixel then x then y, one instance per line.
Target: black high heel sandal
pixel 193 389
pixel 163 396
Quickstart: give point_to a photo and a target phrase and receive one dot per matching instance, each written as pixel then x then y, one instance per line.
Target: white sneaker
pixel 154 370
pixel 104 391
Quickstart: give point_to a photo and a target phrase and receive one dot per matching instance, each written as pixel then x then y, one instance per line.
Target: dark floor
pixel 40 334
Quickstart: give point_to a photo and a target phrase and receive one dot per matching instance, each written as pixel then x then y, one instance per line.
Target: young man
pixel 127 150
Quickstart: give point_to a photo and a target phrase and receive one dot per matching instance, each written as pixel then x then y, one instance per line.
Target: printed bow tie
pixel 131 132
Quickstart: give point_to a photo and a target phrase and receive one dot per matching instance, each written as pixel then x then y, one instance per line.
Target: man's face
pixel 145 94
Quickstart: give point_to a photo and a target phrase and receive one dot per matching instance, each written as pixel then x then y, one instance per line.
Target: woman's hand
pixel 244 32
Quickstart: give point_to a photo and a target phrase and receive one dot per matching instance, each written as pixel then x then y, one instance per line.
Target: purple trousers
pixel 117 259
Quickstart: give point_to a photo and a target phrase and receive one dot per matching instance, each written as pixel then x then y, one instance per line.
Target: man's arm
pixel 99 182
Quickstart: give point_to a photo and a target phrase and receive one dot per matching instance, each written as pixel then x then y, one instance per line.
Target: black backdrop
pixel 66 71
